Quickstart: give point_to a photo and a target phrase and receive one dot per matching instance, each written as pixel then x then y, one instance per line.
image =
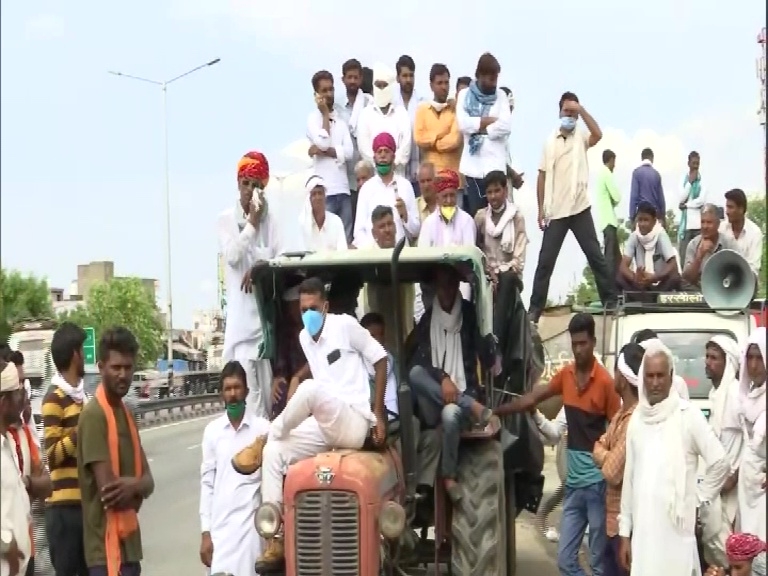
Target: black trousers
pixel 64 527
pixel 30 567
pixel 583 229
pixel 611 250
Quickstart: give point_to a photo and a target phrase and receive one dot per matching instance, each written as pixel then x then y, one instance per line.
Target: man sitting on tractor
pixel 444 375
pixel 331 408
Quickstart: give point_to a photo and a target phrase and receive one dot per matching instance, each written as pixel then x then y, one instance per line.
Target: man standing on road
pixel 332 409
pixel 247 235
pixel 62 407
pixel 15 533
pixel 228 500
pixel 564 203
pixel 114 473
pixel 721 357
pixel 590 402
pixel 665 439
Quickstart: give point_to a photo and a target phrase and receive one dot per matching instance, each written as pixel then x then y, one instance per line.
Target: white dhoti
pixel 752 501
pixel 313 421
pixel 258 373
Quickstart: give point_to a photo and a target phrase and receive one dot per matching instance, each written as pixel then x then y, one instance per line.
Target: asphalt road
pixel 170 524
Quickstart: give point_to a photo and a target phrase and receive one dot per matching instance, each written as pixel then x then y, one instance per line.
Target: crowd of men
pixel 70 499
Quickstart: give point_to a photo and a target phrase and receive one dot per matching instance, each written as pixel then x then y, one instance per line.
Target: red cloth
pixel 254 165
pixel 743 547
pixel 446 180
pixel 384 140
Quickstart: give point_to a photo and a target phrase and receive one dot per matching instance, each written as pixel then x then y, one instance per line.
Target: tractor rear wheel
pixel 479 528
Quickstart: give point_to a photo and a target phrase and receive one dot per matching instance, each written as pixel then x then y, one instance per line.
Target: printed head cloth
pixel 9 378
pixel 254 165
pixel 446 180
pixel 743 547
pixel 384 140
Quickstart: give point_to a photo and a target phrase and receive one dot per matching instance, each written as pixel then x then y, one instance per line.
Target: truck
pixel 32 337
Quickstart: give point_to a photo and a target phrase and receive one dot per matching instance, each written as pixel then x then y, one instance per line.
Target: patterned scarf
pixel 477 105
pixel 693 193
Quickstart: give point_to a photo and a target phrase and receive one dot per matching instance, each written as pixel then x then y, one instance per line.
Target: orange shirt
pixel 437 136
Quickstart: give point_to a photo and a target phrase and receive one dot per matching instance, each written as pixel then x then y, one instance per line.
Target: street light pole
pixel 164 89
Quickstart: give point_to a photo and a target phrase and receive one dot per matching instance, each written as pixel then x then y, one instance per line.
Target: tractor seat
pixel 393 435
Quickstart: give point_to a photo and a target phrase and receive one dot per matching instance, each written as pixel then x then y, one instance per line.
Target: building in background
pixel 88 275
pixel 62 302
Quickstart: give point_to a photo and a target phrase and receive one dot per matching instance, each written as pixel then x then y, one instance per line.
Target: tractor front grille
pixel 327 533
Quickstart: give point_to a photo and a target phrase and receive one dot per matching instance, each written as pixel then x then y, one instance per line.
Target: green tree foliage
pixel 123 302
pixel 22 297
pixel 586 290
pixel 756 213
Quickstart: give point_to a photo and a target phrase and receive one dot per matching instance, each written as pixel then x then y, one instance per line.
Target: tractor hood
pixel 369 474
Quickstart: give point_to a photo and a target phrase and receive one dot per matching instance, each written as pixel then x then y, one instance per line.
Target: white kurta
pixel 228 500
pixel 14 508
pixel 644 514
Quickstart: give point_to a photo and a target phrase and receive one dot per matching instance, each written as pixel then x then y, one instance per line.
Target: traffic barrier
pixel 163 411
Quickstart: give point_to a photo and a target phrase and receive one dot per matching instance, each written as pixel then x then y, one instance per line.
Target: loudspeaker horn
pixel 727 282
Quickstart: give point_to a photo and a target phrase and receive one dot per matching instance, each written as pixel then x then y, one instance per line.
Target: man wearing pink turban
pixel 386 188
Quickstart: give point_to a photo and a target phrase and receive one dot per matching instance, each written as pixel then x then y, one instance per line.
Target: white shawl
pixel 77 393
pixel 729 386
pixel 648 242
pixel 445 336
pixel 678 382
pixel 579 168
pixel 753 400
pixel 505 227
pixel 667 413
pixel 306 218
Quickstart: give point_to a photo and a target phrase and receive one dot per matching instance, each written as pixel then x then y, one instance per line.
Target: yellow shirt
pixel 437 135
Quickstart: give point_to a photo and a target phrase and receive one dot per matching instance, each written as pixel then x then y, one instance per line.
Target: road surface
pixel 170 524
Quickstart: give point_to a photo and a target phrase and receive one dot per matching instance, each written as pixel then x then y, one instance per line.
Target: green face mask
pixel 235 410
pixel 383 169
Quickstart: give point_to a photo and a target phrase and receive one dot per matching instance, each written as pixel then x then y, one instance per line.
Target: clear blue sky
pixel 82 164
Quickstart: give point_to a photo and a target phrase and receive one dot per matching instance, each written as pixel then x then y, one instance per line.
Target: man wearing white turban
pixel 665 438
pixel 751 483
pixel 321 230
pixel 722 367
pixel 385 116
pixel 645 338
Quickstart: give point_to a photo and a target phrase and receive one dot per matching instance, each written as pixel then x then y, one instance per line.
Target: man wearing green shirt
pixel 607 197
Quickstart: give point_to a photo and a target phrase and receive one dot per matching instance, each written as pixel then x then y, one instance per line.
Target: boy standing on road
pixel 114 473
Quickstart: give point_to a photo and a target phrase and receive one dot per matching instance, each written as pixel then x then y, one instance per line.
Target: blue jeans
pixel 474 196
pixel 582 507
pixel 341 205
pixel 428 395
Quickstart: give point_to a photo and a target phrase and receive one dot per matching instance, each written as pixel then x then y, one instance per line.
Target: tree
pixel 123 302
pixel 756 213
pixel 586 290
pixel 22 297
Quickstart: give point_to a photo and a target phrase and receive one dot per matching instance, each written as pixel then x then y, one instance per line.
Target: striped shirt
pixel 60 417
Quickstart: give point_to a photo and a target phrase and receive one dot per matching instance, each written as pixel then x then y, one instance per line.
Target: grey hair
pixel 711 209
pixel 364 165
pixel 429 166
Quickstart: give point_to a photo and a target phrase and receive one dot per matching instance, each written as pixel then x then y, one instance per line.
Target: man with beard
pixel 751 483
pixel 721 359
pixel 114 473
pixel 331 148
pixel 247 235
pixel 228 500
pixel 408 98
pixel 482 112
pixel 15 533
pixel 322 230
pixel 352 77
pixel 385 117
pixel 665 439
pixel 435 130
pixel 62 408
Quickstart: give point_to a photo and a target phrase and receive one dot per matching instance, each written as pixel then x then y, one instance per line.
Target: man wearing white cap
pixel 645 338
pixel 751 483
pixel 15 533
pixel 721 358
pixel 321 229
pixel 666 436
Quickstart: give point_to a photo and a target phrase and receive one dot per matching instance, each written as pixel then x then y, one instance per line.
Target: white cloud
pixel 207 287
pixel 45 26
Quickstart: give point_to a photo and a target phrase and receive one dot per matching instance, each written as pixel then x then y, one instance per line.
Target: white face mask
pixel 382 97
pixel 438 106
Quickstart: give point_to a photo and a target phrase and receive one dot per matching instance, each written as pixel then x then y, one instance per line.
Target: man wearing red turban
pixel 746 555
pixel 247 234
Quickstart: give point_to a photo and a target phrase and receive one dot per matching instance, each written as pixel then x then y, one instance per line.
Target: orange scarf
pixel 120 523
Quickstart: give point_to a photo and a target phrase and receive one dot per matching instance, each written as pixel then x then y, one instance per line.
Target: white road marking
pixel 180 423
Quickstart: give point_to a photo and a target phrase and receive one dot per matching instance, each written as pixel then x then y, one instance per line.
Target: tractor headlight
pixel 268 520
pixel 392 520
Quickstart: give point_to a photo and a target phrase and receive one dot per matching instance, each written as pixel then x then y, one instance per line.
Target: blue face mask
pixel 313 321
pixel 567 123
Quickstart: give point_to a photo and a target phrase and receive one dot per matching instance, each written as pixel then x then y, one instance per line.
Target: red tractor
pixel 357 513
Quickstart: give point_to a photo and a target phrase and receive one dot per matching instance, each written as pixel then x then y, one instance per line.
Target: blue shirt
pixel 646 187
